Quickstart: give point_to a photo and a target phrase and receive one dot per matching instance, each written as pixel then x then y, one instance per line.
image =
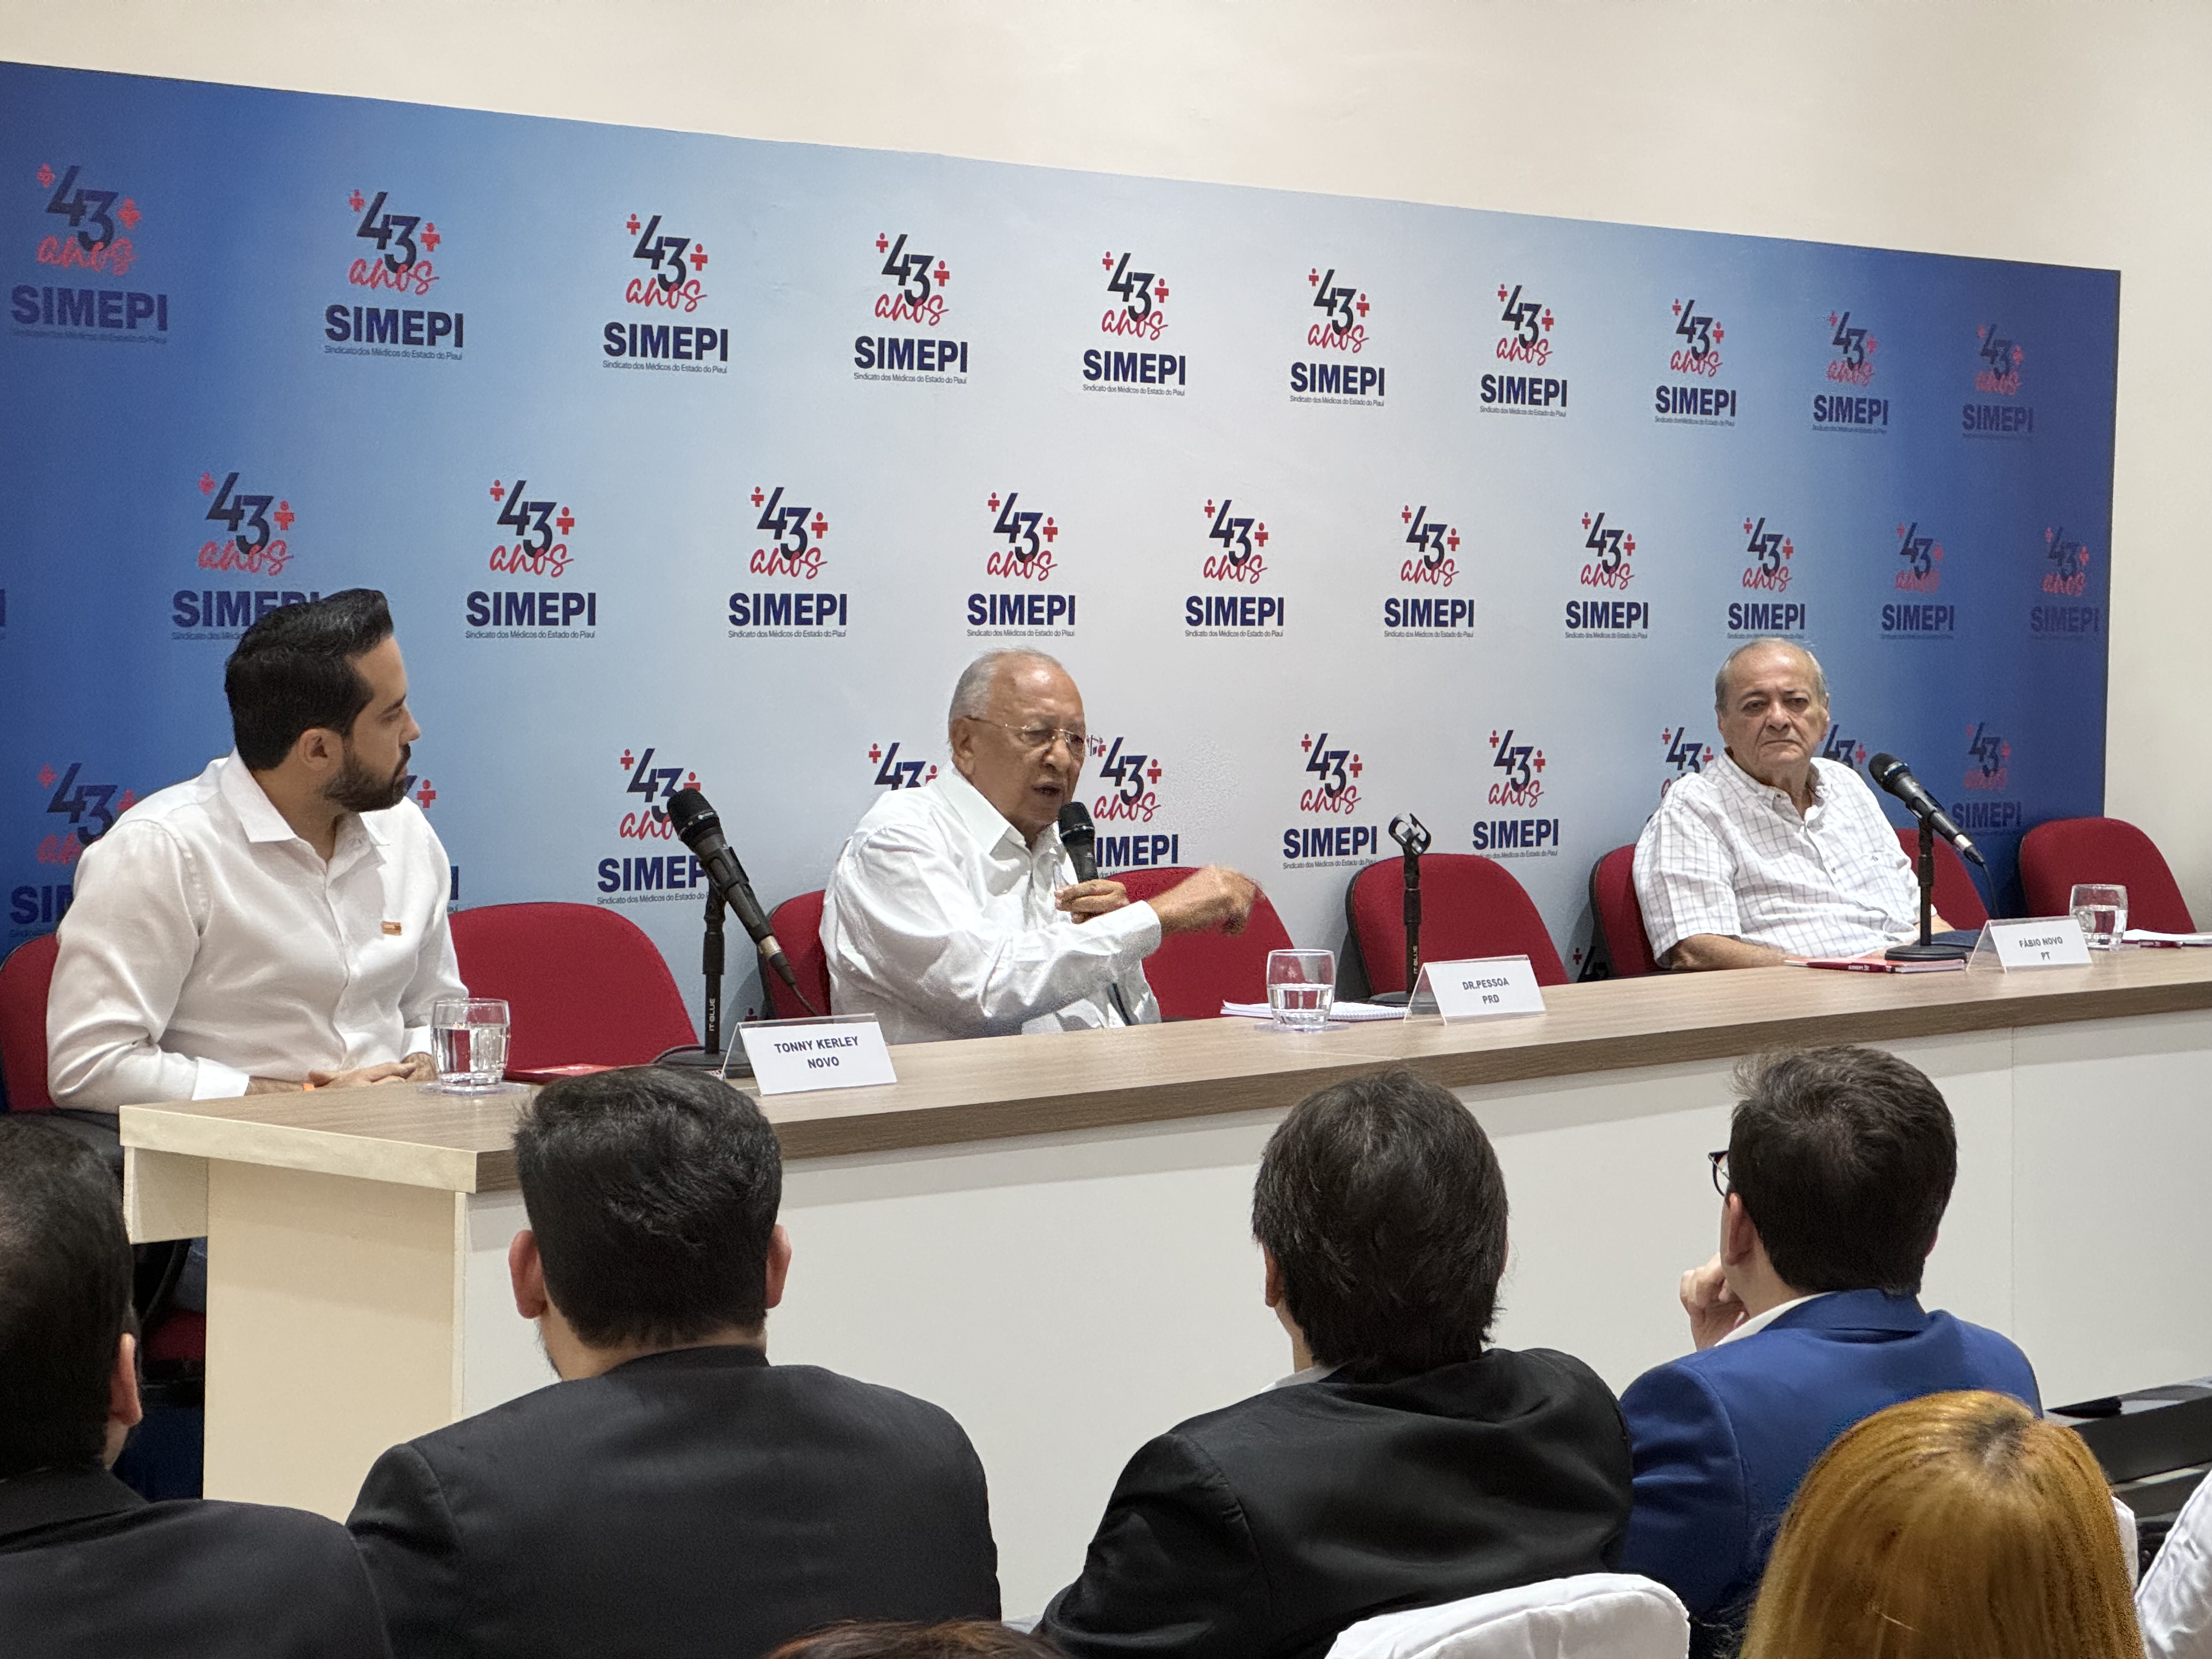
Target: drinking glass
pixel 1301 987
pixel 468 1041
pixel 2102 910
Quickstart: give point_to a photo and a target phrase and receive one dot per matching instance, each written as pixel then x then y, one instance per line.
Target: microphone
pixel 1894 775
pixel 701 830
pixel 1080 837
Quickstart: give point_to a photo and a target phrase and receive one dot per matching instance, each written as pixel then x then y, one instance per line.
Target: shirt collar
pixel 49 1497
pixel 985 823
pixel 1759 1323
pixel 262 822
pixel 1313 1373
pixel 1737 778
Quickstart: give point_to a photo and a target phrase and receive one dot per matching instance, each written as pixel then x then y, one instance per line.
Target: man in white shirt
pixel 954 911
pixel 1770 851
pixel 279 920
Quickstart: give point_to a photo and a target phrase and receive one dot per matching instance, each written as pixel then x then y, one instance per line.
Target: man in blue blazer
pixel 1839 1165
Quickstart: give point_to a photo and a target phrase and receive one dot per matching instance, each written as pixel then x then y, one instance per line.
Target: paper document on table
pixel 1344 1011
pixel 2146 936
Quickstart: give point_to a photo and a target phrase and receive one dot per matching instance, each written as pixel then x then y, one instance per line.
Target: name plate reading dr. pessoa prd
pixel 790 1056
pixel 1478 989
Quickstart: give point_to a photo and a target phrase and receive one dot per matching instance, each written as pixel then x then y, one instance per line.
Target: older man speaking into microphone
pixel 955 910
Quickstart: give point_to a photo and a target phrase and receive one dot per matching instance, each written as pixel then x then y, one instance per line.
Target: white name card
pixel 1479 989
pixel 791 1056
pixel 2036 942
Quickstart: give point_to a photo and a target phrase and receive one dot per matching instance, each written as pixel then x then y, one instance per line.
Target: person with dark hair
pixel 1838 1167
pixel 280 919
pixel 1407 1462
pixel 961 1638
pixel 87 1566
pixel 674 1493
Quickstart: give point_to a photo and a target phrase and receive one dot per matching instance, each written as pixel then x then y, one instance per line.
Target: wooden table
pixel 1050 1236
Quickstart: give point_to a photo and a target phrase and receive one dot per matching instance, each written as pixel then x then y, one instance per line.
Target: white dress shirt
pixel 1728 854
pixel 939 920
pixel 2173 1603
pixel 1758 1322
pixel 208 945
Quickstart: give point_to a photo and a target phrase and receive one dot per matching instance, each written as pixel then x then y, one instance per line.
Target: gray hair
pixel 971 693
pixel 1721 679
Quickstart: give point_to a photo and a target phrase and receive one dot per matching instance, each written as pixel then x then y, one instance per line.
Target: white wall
pixel 2076 131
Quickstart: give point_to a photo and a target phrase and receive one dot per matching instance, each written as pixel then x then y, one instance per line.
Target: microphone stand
pixel 708 1056
pixel 1927 949
pixel 1413 840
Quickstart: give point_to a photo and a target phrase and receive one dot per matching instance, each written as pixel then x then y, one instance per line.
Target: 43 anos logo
pixel 656 784
pixel 1344 312
pixel 1030 536
pixel 794 533
pixel 1699 352
pixel 2069 563
pixel 1609 547
pixel 1521 769
pixel 1243 539
pixel 674 266
pixel 97 222
pixel 1989 758
pixel 255 526
pixel 1685 754
pixel 1839 745
pixel 1434 543
pixel 403 243
pixel 1527 338
pixel 1143 296
pixel 535 551
pixel 1336 773
pixel 916 293
pixel 90 808
pixel 892 773
pixel 1853 363
pixel 1921 554
pixel 2001 359
pixel 1135 774
pixel 1771 552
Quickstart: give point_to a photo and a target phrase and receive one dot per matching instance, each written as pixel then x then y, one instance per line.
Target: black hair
pixel 294 670
pixel 65 1274
pixel 1383 1206
pixel 654 1194
pixel 1844 1159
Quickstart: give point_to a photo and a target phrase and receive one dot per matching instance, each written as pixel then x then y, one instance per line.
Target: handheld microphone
pixel 1080 837
pixel 699 829
pixel 1894 775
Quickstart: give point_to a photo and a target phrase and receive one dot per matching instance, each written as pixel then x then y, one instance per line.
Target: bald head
pixel 1017 735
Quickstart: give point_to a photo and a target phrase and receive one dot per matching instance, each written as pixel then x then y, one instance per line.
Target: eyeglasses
pixel 1041 737
pixel 1719 1161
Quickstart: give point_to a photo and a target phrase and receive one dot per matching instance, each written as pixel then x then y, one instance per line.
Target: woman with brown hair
pixel 960 1639
pixel 1956 1526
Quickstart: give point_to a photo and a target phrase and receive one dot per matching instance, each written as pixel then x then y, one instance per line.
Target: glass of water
pixel 1301 987
pixel 468 1040
pixel 2102 910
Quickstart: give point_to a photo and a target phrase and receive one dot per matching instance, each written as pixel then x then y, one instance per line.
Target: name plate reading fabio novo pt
pixel 2033 942
pixel 790 1056
pixel 1478 988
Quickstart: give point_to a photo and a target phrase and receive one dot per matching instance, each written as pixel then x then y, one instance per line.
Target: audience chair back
pixel 2057 856
pixel 1620 915
pixel 583 985
pixel 1958 900
pixel 796 925
pixel 1194 974
pixel 1471 905
pixel 24 977
pixel 1593 1615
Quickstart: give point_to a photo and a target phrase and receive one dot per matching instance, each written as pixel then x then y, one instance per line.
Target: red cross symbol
pixel 498 490
pixel 567 521
pixel 1578 955
pixel 45 173
pixel 2004 751
pixel 882 241
pixel 1313 277
pixel 757 497
pixel 1109 260
pixel 1786 548
pixel 1547 320
pixel 426 794
pixel 1452 541
pixel 130 799
pixel 352 201
pixel 629 760
pixel 1493 737
pixel 1873 344
pixel 1051 530
pixel 1900 533
pixel 1831 319
pixel 1862 754
pixel 1259 534
pixel 1362 307
pixel 821 526
pixel 1586 521
pixel 1981 331
pixel 875 752
pixel 1097 745
pixel 698 256
pixel 994 503
pixel 630 224
pixel 691 781
pixel 932 778
pixel 284 516
pixel 430 236
pixel 1746 526
pixel 1356 768
pixel 1678 308
pixel 207 488
pixel 2017 353
pixel 1159 290
pixel 129 214
pixel 47 773
pixel 1667 736
pixel 1937 552
pixel 1153 771
pixel 1306 742
pixel 1628 543
pixel 1501 291
pixel 1719 333
pixel 1209 507
pixel 1540 760
pixel 1406 516
pixel 1709 754
pixel 942 275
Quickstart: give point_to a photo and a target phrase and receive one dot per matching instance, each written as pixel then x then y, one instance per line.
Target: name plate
pixel 1479 989
pixel 2033 942
pixel 790 1056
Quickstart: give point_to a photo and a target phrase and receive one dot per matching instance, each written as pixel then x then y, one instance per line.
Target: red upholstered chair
pixel 24 977
pixel 2055 857
pixel 1194 974
pixel 1621 913
pixel 1957 900
pixel 1471 905
pixel 582 984
pixel 796 925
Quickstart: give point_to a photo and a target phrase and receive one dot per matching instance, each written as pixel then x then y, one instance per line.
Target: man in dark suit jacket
pixel 1839 1166
pixel 87 1566
pixel 675 1494
pixel 1406 1464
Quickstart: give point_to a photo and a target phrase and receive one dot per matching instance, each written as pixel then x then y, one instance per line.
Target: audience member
pixel 1840 1163
pixel 675 1494
pixel 1956 1526
pixel 87 1566
pixel 961 1638
pixel 1407 1462
pixel 2174 1602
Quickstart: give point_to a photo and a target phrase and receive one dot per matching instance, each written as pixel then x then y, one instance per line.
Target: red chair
pixel 582 984
pixel 1957 900
pixel 24 977
pixel 796 925
pixel 1471 905
pixel 2057 856
pixel 1621 913
pixel 1194 974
